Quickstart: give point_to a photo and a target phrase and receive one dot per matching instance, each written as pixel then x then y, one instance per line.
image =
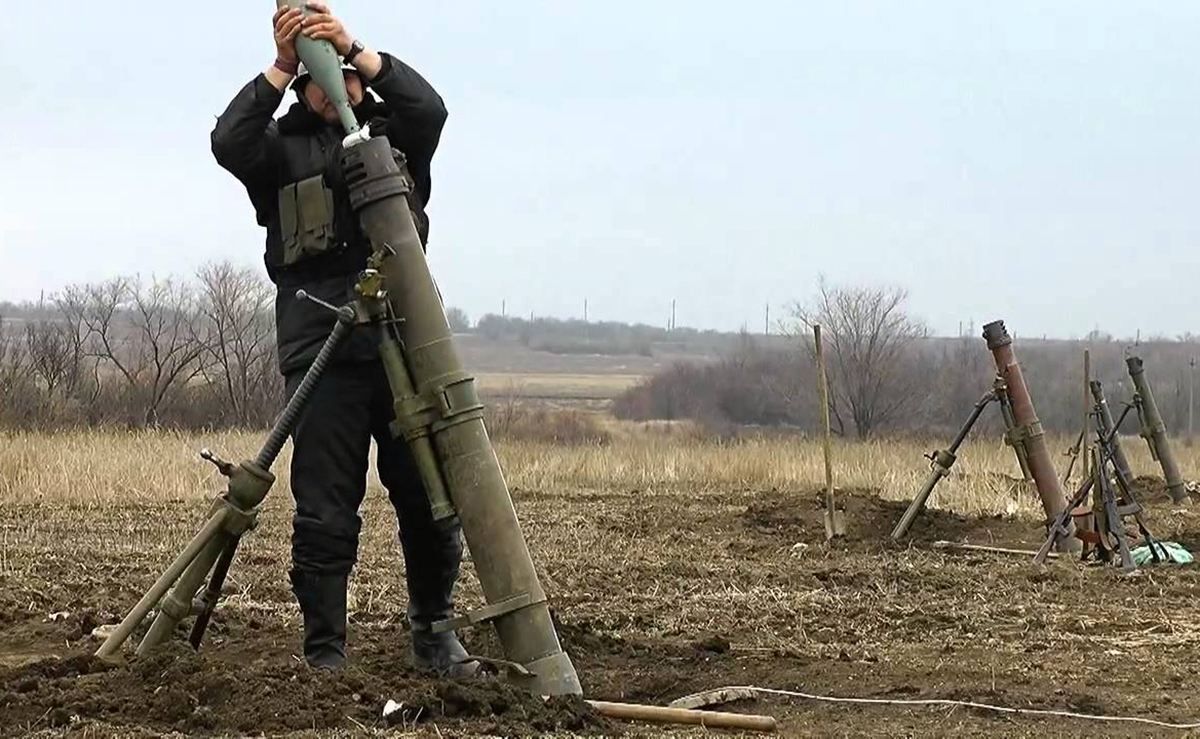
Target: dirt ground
pixel 658 594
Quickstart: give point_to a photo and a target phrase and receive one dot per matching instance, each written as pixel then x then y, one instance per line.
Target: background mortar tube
pixel 1155 431
pixel 1041 467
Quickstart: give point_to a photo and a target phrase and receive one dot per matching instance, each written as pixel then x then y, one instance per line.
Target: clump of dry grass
pixel 546 452
pixel 547 425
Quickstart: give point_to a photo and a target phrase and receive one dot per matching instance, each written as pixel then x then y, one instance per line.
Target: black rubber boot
pixel 322 600
pixel 432 556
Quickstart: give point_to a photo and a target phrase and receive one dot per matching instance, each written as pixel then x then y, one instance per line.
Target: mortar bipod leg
pixel 179 604
pixel 208 600
pixel 1124 482
pixel 1105 551
pixel 211 530
pixel 941 462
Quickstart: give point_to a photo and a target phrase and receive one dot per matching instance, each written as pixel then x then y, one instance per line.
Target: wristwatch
pixel 355 48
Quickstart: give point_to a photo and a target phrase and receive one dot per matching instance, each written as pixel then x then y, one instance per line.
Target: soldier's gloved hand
pixel 323 25
pixel 287 27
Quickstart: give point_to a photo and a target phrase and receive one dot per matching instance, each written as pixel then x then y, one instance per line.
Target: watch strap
pixel 355 49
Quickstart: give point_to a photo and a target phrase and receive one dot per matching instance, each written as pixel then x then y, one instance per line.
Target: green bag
pixel 1172 551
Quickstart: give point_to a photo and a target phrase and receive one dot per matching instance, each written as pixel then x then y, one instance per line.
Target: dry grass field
pixel 674 564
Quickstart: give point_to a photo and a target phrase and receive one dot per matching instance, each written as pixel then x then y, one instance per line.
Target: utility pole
pixel 585 310
pixel 1087 415
pixel 767 322
pixel 672 328
pixel 1191 400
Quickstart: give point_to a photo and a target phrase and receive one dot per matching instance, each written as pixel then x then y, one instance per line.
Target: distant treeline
pixel 772 388
pixel 199 351
pixel 195 353
pixel 930 388
pixel 574 336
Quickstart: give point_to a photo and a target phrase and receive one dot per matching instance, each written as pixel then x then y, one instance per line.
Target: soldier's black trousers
pixel 330 460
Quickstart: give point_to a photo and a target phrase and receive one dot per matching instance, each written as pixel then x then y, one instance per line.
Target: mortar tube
pixel 517 606
pixel 1155 432
pixel 1033 438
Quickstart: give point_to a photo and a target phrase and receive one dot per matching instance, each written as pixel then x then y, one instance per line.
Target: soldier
pixel 290 168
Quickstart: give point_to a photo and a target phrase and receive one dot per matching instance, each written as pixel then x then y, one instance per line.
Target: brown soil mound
pixel 177 689
pixel 799 517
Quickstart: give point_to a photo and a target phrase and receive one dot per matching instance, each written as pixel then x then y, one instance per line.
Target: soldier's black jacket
pixel 268 155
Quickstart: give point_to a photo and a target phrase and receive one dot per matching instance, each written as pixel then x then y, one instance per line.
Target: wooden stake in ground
pixel 959 546
pixel 835 520
pixel 660 715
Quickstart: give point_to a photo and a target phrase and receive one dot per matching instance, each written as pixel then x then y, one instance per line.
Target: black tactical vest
pixel 314 242
pixel 315 232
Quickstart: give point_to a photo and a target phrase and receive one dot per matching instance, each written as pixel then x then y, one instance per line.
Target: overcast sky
pixel 1027 160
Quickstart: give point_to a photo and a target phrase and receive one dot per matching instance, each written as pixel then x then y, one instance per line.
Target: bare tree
pixel 100 308
pixel 12 358
pixel 166 327
pixel 149 335
pixel 458 319
pixel 83 379
pixel 18 393
pixel 238 328
pixel 48 348
pixel 872 361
